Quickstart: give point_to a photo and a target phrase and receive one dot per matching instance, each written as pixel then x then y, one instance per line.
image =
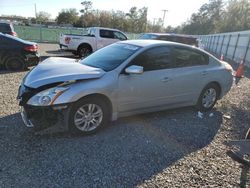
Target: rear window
pixel 179 39
pixel 183 57
pixel 5 28
pixel 148 36
pixel 106 34
pixel 172 38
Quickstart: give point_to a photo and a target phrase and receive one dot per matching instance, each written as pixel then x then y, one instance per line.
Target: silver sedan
pixel 122 79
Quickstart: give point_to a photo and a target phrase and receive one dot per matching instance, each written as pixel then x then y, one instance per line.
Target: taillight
pixel 67 40
pixel 31 48
pixel 13 34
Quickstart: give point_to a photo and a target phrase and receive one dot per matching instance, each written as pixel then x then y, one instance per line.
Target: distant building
pixel 15 20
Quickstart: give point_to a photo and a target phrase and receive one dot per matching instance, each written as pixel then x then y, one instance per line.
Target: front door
pixel 154 87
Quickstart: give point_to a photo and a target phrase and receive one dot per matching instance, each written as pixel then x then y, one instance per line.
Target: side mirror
pixel 134 69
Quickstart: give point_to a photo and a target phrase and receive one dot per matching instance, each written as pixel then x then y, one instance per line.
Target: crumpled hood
pixel 57 69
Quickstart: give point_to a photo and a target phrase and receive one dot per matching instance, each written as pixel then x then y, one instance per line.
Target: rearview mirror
pixel 134 69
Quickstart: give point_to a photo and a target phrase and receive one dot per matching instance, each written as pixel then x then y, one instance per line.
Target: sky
pixel 178 11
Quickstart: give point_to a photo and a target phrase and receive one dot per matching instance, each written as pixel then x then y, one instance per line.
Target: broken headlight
pixel 46 97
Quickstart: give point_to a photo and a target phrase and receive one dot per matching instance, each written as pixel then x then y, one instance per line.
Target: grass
pixel 51 34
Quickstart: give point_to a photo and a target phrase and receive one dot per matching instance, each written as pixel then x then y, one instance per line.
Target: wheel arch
pixel 199 100
pixel 218 85
pixel 5 57
pixel 84 44
pixel 104 98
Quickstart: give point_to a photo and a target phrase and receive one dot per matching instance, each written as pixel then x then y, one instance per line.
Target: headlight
pixel 46 97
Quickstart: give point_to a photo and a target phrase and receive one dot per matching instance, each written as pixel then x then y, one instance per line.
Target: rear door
pixel 190 72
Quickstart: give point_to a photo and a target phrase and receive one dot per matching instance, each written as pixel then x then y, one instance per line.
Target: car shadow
pixel 124 154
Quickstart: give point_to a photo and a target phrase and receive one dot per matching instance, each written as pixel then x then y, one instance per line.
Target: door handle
pixel 166 79
pixel 204 73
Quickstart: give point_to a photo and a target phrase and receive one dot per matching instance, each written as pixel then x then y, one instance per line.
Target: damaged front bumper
pixel 45 120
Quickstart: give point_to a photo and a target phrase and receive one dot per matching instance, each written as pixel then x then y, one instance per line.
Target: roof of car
pixel 170 34
pixel 5 22
pixel 105 28
pixel 144 43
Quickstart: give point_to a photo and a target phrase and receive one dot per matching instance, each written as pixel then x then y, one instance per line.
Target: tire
pixel 84 51
pixel 75 53
pixel 86 109
pixel 208 97
pixel 15 63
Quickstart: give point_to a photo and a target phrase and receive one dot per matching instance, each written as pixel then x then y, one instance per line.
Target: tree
pixel 206 20
pixel 236 17
pixel 87 6
pixel 67 16
pixel 42 17
pixel 137 19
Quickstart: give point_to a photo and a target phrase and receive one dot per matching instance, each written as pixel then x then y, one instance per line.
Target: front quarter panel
pixel 105 85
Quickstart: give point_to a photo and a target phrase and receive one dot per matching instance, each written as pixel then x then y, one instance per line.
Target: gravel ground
pixel 171 148
pixel 48 49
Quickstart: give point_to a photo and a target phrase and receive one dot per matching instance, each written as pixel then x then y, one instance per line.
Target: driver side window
pixel 154 59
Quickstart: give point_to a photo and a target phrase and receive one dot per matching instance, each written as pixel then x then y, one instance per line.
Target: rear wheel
pixel 15 63
pixel 208 97
pixel 84 51
pixel 88 115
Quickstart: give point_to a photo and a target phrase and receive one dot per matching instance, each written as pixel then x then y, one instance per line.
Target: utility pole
pixel 35 13
pixel 164 13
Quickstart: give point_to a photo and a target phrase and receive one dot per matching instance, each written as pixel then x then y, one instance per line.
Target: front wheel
pixel 88 115
pixel 84 51
pixel 208 97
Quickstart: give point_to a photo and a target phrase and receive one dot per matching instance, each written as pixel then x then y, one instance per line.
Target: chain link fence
pixel 44 34
pixel 233 46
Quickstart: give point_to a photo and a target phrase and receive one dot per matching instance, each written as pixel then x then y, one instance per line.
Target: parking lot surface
pixel 173 148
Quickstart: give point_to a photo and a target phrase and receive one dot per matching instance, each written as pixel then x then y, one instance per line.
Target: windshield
pixel 110 57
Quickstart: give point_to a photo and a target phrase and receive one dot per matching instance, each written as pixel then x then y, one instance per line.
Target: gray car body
pixel 132 93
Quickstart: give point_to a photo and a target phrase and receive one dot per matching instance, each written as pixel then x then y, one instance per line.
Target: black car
pixel 17 54
pixel 184 39
pixel 7 28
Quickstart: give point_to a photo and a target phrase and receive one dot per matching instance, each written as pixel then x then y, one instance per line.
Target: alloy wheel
pixel 209 98
pixel 88 117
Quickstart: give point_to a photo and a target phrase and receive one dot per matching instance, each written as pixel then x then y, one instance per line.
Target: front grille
pixel 41 117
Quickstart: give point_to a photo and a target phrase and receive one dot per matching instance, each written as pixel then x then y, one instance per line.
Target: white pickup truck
pixel 96 38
